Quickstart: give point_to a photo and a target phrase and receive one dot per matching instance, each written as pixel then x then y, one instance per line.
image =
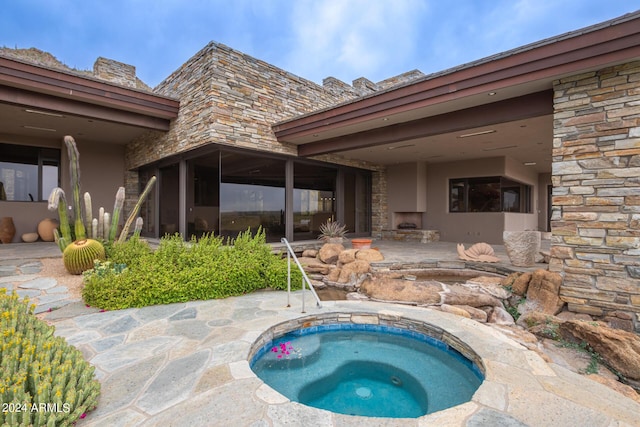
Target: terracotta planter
pixel 361 243
pixel 45 229
pixel 7 229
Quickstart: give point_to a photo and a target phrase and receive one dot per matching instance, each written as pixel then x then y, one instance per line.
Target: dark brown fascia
pixel 553 58
pixel 28 99
pixel 67 86
pixel 528 106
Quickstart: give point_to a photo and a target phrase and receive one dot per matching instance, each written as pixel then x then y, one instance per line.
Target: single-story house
pixel 543 137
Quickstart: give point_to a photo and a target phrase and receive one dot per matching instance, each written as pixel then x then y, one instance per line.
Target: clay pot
pixel 29 237
pixel 7 229
pixel 361 243
pixel 45 229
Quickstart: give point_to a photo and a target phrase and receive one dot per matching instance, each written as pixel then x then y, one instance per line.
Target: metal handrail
pixel 305 279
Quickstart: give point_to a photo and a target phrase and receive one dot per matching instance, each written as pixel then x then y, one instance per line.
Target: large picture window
pixel 489 194
pixel 28 174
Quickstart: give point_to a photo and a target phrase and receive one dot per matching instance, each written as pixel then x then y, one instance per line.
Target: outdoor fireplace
pixel 409 226
pixel 407 220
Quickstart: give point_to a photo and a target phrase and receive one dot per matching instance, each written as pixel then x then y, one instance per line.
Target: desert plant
pixel 106 225
pixel 179 271
pixel 43 380
pixel 80 255
pixel 332 229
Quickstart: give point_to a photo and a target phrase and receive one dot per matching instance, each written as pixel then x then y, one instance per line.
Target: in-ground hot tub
pixel 394 369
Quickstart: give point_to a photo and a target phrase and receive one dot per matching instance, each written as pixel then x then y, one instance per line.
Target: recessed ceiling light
pixel 44 113
pixel 483 132
pixel 385 119
pixel 39 128
pixel 499 148
pixel 492 93
pixel 401 146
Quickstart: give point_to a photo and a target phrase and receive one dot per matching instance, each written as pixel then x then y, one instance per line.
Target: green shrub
pixel 181 271
pixel 43 380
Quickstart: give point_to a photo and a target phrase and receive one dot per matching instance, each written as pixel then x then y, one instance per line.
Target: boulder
pixel 313 265
pixel 329 252
pixel 334 273
pixel 475 313
pixel 473 299
pixel 353 269
pixel 619 349
pixel 310 253
pixel 522 247
pixel 500 316
pixel 520 284
pixel 543 293
pixel 347 256
pixel 389 289
pixel 370 255
pixel 491 286
pixel 455 310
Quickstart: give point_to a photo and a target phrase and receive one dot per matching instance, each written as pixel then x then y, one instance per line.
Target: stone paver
pixel 186 364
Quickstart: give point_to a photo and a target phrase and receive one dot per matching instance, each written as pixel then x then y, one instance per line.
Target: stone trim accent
pixel 595 217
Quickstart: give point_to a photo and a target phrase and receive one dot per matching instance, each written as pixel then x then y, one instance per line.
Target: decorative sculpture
pixel 481 252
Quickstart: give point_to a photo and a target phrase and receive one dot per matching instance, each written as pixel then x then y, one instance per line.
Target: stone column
pixel 596 197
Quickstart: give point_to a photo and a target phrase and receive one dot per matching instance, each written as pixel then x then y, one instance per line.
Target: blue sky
pixel 314 39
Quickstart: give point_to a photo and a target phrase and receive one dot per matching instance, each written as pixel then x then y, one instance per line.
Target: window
pixel 489 194
pixel 28 173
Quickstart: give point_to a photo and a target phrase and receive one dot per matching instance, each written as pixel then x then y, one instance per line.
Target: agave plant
pixel 332 229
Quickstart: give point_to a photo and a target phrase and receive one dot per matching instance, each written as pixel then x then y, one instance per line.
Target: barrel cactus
pixel 78 256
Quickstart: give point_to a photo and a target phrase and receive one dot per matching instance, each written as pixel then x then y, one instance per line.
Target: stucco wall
pixel 596 197
pixel 476 226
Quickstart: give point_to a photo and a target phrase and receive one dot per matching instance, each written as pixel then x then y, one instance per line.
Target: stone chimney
pixel 115 72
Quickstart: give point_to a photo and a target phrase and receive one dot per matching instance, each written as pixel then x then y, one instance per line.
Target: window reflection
pixel 252 195
pixel 314 199
pixel 28 173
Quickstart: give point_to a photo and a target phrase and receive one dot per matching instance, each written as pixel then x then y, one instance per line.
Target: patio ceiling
pixel 41 104
pixel 505 100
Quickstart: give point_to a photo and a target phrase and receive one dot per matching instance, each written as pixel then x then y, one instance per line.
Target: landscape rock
pixel 455 310
pixel 347 256
pixel 458 295
pixel 353 269
pixel 314 265
pixel 333 274
pixel 623 389
pixel 620 349
pixel 388 289
pixel 500 316
pixel 475 313
pixel 329 252
pixel 570 315
pixel 520 284
pixel 490 285
pixel 522 247
pixel 543 293
pixel 310 253
pixel 370 255
pixel 356 296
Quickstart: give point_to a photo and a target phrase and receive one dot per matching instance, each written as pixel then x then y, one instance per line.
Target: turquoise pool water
pixel 367 370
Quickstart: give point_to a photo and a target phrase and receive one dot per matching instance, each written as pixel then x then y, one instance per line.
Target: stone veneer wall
pixel 229 98
pixel 596 197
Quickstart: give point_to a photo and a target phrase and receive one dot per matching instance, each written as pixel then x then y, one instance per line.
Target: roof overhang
pixel 36 102
pixel 489 91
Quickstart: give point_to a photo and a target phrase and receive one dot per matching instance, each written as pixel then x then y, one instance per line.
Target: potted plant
pixel 363 243
pixel 332 232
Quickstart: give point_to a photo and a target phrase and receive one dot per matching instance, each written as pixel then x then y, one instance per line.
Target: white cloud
pixel 348 39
